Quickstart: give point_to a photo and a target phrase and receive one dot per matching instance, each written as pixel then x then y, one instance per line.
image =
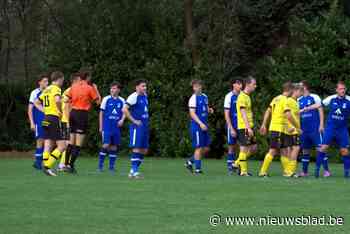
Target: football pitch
pixel 167 200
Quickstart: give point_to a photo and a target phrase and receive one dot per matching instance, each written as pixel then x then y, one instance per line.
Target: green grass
pixel 168 200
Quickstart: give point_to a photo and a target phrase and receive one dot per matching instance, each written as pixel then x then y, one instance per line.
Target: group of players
pixel 60 121
pixel 294 122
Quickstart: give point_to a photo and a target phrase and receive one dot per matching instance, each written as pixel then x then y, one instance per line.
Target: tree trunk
pixel 190 35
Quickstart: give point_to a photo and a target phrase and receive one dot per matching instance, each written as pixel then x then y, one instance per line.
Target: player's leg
pixel 317 141
pixel 231 157
pixel 76 150
pixel 306 145
pixel 137 143
pixel 65 136
pixel 342 139
pixel 112 156
pixel 106 141
pixel 195 139
pixel 294 153
pixel 56 154
pixel 328 136
pixel 38 155
pixel 244 151
pixel 275 144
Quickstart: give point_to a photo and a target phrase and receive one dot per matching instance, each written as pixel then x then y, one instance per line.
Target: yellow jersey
pixel 278 107
pixel 48 99
pixel 65 114
pixel 244 101
pixel 295 111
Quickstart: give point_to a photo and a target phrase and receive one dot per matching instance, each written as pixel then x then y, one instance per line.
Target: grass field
pixel 168 200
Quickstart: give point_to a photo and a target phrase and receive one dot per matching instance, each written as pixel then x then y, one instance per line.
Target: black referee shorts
pixel 78 121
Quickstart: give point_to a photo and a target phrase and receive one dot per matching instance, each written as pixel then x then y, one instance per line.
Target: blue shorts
pixel 230 139
pixel 139 136
pixel 200 138
pixel 338 135
pixel 111 138
pixel 311 139
pixel 39 131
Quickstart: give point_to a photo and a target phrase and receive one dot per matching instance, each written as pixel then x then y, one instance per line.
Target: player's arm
pixel 58 102
pixel 244 115
pixel 228 119
pixel 266 119
pixel 128 115
pixel 38 104
pixel 30 116
pixel 292 121
pixel 100 121
pixel 197 120
pixel 321 113
pixel 96 96
pixel 312 107
pixel 121 121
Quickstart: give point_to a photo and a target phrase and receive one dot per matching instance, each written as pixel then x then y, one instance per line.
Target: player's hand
pixel 203 127
pixel 94 85
pixel 291 130
pixel 249 132
pixel 211 110
pixel 138 122
pixel 233 132
pixel 263 130
pixel 32 127
pixel 100 130
pixel 120 123
pixel 321 129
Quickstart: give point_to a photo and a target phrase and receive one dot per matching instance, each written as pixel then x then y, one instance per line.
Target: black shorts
pixel 278 140
pixel 52 128
pixel 243 138
pixel 293 140
pixel 78 121
pixel 65 131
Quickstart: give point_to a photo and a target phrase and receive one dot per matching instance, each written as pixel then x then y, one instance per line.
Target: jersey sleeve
pixel 328 100
pixel 317 99
pixel 192 103
pixel 123 100
pixel 132 99
pixel 32 97
pixel 103 104
pixel 56 91
pixel 41 96
pixel 287 104
pixel 241 102
pixel 93 93
pixel 227 102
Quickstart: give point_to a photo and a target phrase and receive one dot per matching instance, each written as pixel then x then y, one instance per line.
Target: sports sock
pixel 112 159
pixel 319 160
pixel 285 162
pixel 101 158
pixel 63 160
pixel 243 162
pixel 266 164
pixel 325 163
pixel 134 162
pixel 346 161
pixel 46 156
pixel 54 156
pixel 74 156
pixel 305 161
pixel 292 166
pixel 230 161
pixel 39 157
pixel 68 154
pixel 198 164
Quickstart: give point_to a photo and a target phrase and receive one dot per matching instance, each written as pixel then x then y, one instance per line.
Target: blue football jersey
pixel 339 111
pixel 200 104
pixel 138 107
pixel 112 108
pixel 230 104
pixel 310 120
pixel 38 116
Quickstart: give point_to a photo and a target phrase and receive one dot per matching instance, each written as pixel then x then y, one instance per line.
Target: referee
pixel 81 95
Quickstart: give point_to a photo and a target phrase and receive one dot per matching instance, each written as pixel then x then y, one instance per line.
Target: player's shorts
pixel 230 139
pixel 39 131
pixel 78 121
pixel 200 138
pixel 52 128
pixel 338 135
pixel 310 139
pixel 139 136
pixel 243 138
pixel 294 140
pixel 279 140
pixel 111 138
pixel 65 131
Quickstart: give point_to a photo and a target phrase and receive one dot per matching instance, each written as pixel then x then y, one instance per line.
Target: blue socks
pixel 101 158
pixel 346 161
pixel 39 157
pixel 305 161
pixel 198 164
pixel 191 159
pixel 136 160
pixel 230 160
pixel 319 161
pixel 112 159
pixel 325 163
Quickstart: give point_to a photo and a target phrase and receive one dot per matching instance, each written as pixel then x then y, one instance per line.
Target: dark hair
pixel 248 80
pixel 196 82
pixel 236 80
pixel 115 83
pixel 140 81
pixel 298 86
pixel 287 86
pixel 85 72
pixel 56 75
pixel 74 76
pixel 341 82
pixel 42 76
pixel 305 84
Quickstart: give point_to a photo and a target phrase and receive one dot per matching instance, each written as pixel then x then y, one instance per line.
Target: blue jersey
pixel 38 116
pixel 138 107
pixel 112 108
pixel 339 111
pixel 310 120
pixel 200 104
pixel 230 104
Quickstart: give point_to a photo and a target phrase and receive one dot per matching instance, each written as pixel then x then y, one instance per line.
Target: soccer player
pixel 199 129
pixel 231 122
pixel 81 96
pixel 50 103
pixel 312 126
pixel 294 129
pixel 35 118
pixel 277 110
pixel 110 121
pixel 136 110
pixel 336 128
pixel 245 125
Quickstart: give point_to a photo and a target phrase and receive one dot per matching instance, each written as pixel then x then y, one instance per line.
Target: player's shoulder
pixel 35 91
pixel 106 98
pixel 229 94
pixel 121 99
pixel 133 95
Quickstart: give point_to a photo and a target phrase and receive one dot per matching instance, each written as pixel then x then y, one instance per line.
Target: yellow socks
pixel 266 164
pixel 243 162
pixel 55 155
pixel 292 166
pixel 63 158
pixel 285 164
